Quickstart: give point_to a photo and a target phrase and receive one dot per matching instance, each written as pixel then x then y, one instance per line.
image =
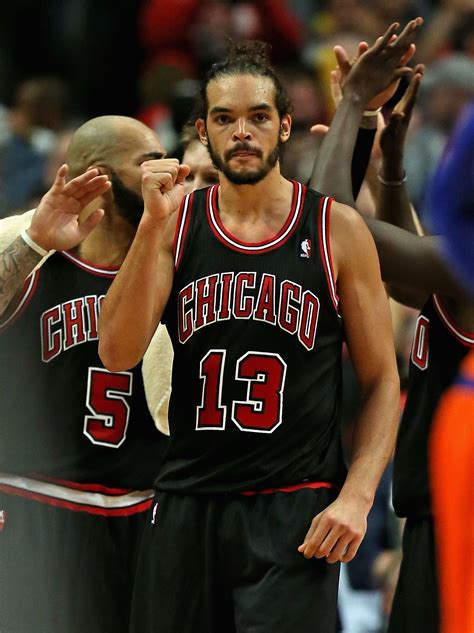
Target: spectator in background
pixel 202 172
pixel 450 29
pixel 38 113
pixel 447 87
pixel 309 105
pixel 192 33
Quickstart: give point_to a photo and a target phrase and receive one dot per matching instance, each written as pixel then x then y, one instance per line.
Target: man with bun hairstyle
pixel 254 508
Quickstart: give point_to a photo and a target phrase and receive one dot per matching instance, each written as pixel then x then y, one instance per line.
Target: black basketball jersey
pixel 438 348
pixel 62 414
pixel 257 341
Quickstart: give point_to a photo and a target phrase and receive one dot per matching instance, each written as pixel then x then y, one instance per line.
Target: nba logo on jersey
pixel 3 518
pixel 305 249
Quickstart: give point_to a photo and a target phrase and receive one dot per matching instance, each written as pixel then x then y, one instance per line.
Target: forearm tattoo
pixel 16 263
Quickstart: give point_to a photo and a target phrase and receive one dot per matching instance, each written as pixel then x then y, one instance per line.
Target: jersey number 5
pixel 107 426
pixel 261 412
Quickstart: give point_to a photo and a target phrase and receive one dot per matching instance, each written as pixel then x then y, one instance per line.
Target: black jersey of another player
pixel 257 342
pixel 63 415
pixel 438 348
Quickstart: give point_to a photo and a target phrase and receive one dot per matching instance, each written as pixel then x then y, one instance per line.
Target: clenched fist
pixel 162 187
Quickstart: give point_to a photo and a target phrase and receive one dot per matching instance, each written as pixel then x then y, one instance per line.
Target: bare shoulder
pixel 346 221
pixel 350 237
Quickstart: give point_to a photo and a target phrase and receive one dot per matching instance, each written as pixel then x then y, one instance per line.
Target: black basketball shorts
pixel 229 564
pixel 65 571
pixel 416 604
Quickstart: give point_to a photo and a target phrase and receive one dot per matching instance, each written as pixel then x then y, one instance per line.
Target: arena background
pixel 65 61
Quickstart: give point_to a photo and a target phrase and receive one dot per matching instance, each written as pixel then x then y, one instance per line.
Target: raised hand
pixel 374 75
pixel 55 223
pixel 392 139
pixel 162 187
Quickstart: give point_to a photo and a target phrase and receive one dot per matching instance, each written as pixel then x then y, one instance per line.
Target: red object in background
pixel 154 115
pixel 168 26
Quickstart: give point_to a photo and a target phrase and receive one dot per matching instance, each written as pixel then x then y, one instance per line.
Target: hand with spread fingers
pixel 162 187
pixel 373 77
pixel 55 224
pixel 336 532
pixel 392 139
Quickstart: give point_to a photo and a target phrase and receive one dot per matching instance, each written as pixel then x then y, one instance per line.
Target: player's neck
pixel 272 194
pixel 107 245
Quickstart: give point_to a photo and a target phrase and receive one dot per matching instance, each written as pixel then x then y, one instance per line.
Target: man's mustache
pixel 242 146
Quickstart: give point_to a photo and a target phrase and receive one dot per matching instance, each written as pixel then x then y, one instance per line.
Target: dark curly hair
pixel 248 57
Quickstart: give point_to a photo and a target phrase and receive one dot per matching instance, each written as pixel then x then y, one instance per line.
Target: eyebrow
pixel 261 106
pixel 152 156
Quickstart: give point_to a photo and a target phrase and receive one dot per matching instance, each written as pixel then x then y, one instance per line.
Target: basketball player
pixel 258 290
pixel 416 274
pixel 78 447
pixel 451 206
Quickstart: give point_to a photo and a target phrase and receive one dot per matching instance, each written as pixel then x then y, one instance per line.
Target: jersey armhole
pixel 182 225
pixel 324 213
pixel 20 301
pixel 463 337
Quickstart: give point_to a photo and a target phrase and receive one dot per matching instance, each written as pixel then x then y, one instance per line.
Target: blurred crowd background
pixel 65 61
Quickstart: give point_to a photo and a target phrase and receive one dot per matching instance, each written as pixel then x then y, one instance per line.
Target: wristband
pixel 392 183
pixel 36 247
pixel 372 112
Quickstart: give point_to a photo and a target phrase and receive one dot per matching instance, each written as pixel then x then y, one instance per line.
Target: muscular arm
pixel 332 169
pixel 406 260
pixel 369 337
pixel 16 263
pixel 135 302
pixel 412 262
pixel 337 532
pixel 393 202
pixel 138 295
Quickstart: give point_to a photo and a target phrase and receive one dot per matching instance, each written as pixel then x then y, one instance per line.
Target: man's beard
pixel 245 177
pixel 129 204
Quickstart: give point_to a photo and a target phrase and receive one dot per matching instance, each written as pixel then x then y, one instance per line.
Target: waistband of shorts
pixel 92 499
pixel 305 484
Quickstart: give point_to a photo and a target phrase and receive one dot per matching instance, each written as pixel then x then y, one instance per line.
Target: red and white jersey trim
pixel 465 338
pixel 91 268
pixel 77 500
pixel 27 293
pixel 181 229
pixel 224 236
pixel 325 247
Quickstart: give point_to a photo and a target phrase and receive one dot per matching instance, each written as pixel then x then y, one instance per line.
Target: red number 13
pixel 261 412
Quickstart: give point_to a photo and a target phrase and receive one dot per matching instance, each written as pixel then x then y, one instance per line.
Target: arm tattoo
pixel 16 263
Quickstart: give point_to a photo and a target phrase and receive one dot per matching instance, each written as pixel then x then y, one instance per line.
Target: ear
pixel 201 128
pixel 285 128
